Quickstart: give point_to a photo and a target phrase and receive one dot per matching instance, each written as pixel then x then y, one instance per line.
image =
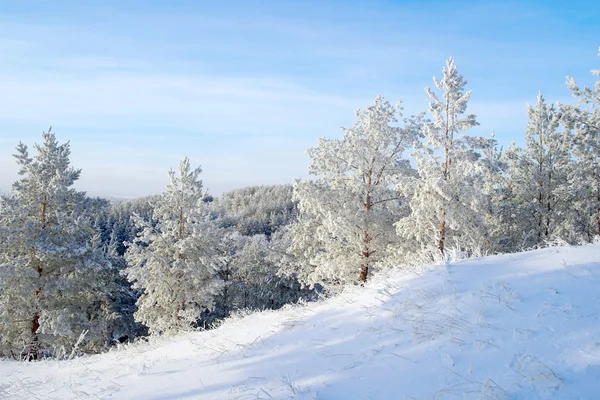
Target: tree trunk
pixel 180 231
pixel 445 174
pixel 364 268
pixel 364 272
pixel 442 240
pixel 598 208
pixel 548 219
pixel 541 215
pixel 33 353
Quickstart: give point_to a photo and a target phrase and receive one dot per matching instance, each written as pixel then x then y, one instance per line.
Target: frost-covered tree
pixel 538 177
pixel 248 267
pixel 116 223
pixel 227 249
pixel 446 199
pixel 171 259
pixel 347 213
pixel 584 121
pixel 249 271
pixel 113 220
pixel 248 222
pixel 54 277
pixel 499 216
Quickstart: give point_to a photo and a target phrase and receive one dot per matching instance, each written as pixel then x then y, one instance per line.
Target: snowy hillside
pixel 515 326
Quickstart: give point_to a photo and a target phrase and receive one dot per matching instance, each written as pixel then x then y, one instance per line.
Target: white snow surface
pixel 517 326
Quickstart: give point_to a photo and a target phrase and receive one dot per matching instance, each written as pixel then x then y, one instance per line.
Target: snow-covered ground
pixel 517 326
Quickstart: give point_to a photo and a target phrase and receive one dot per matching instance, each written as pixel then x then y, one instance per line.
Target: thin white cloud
pixel 212 104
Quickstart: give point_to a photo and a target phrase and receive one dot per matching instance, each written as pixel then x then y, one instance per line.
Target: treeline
pixel 80 274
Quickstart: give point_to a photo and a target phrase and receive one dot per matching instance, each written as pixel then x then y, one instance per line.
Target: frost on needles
pixel 173 257
pixel 347 213
pixel 55 280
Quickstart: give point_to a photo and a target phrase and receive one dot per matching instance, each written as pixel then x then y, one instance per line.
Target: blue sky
pixel 244 88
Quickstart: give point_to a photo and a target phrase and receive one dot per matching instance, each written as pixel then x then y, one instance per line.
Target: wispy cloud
pixel 246 89
pixel 208 104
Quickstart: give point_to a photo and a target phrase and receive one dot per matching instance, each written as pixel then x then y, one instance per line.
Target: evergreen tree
pixel 499 215
pixel 227 249
pixel 54 275
pixel 258 284
pixel 172 258
pixel 347 213
pixel 584 121
pixel 448 206
pixel 538 175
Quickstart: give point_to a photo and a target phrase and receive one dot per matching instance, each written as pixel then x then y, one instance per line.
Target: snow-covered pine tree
pixel 257 284
pixel 447 204
pixel 499 217
pixel 248 223
pixel 119 226
pixel 54 277
pixel 172 258
pixel 228 246
pixel 538 177
pixel 347 213
pixel 584 121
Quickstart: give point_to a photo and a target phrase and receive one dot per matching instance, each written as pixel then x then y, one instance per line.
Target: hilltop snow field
pixel 517 326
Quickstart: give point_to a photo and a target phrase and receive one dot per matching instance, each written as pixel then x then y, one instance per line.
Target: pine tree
pixel 499 216
pixel 228 246
pixel 258 284
pixel 172 258
pixel 584 121
pixel 538 175
pixel 446 199
pixel 347 213
pixel 54 276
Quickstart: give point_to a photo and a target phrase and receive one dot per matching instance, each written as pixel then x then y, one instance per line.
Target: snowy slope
pixel 516 326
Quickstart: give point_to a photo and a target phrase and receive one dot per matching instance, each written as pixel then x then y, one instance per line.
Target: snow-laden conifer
pixel 499 215
pixel 248 268
pixel 584 121
pixel 54 277
pixel 347 212
pixel 260 285
pixel 171 259
pixel 447 204
pixel 538 178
